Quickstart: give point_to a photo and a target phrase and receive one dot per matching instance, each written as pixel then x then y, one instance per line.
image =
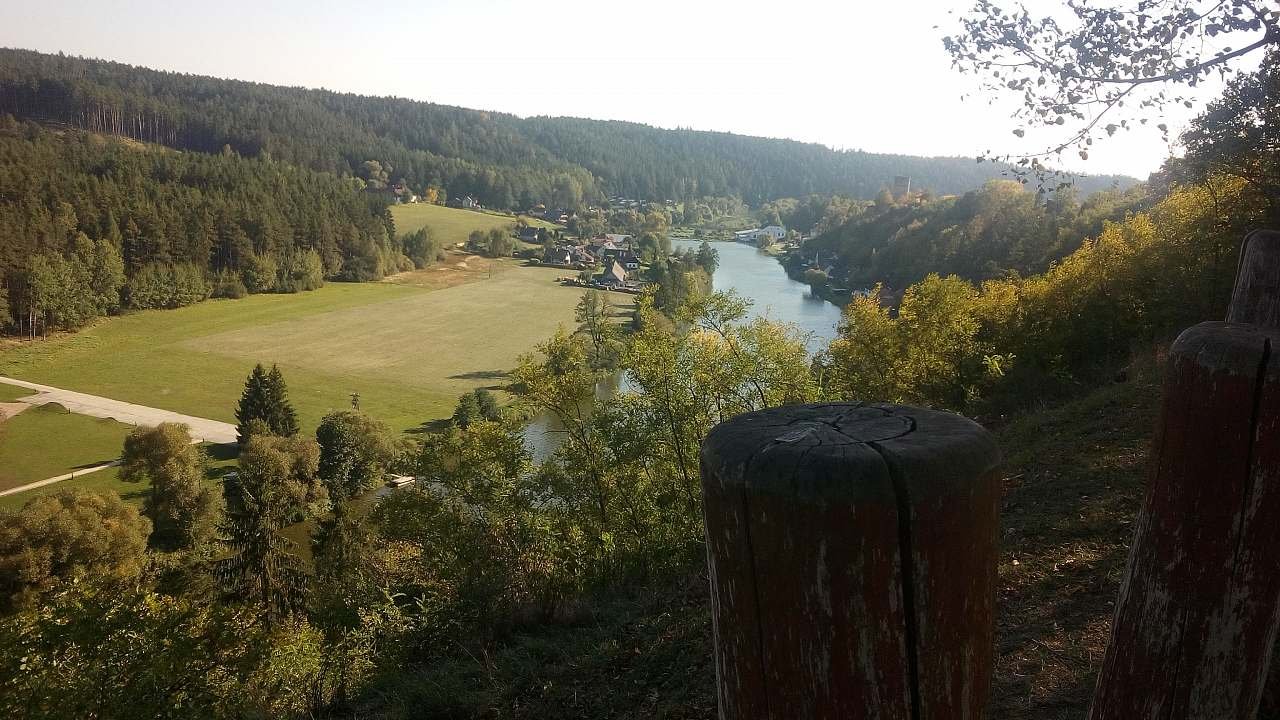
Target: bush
pixel 227 284
pixel 301 272
pixel 55 538
pixel 479 404
pixel 260 273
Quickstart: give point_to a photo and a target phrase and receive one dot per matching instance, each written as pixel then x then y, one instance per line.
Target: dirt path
pixel 202 429
pixel 58 478
pixel 9 409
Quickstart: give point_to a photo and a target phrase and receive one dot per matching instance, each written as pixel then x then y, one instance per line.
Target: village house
pixel 568 256
pixel 529 234
pixel 624 256
pixel 399 193
pixel 752 236
pixel 615 276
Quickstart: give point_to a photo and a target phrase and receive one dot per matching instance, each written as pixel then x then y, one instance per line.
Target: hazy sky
pixel 849 74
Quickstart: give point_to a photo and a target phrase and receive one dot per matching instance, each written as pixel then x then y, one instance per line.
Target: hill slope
pixel 1073 482
pixel 504 160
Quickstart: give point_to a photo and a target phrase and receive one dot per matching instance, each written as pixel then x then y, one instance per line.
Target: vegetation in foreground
pixel 1074 475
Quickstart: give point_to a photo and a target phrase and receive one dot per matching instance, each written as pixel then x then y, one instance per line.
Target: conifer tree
pixel 275 485
pixel 254 404
pixel 283 420
pixel 266 398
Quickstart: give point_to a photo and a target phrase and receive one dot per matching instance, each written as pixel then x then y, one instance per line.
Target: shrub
pixel 227 284
pixel 55 538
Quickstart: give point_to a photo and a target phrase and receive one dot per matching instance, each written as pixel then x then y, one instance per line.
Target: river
pixel 755 276
pixel 761 279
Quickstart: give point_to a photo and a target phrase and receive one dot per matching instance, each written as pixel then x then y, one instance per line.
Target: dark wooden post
pixel 852 551
pixel 1197 614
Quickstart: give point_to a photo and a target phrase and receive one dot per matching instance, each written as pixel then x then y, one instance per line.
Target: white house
pixel 777 232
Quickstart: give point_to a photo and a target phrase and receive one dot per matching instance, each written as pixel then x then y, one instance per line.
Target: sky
pixel 845 73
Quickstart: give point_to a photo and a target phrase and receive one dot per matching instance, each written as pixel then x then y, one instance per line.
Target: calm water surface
pixel 761 279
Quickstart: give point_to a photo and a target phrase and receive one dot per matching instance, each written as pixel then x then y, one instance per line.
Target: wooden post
pixel 1198 610
pixel 852 551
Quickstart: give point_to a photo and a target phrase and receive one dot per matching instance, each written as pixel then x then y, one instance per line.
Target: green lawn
pixel 47 440
pixel 9 393
pixel 408 352
pixel 452 225
pixel 221 459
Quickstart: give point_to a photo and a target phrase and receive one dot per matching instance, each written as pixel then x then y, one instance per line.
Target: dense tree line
pixel 502 160
pixel 89 225
pixel 985 233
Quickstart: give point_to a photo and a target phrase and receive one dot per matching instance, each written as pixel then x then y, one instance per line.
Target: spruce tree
pixel 254 403
pixel 283 419
pixel 266 399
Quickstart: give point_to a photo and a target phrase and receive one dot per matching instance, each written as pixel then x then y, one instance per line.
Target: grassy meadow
pixel 9 393
pixel 408 352
pixel 408 346
pixel 47 440
pixel 221 459
pixel 452 225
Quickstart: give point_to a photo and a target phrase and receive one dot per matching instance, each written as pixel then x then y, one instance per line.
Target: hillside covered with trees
pixel 503 160
pixel 91 224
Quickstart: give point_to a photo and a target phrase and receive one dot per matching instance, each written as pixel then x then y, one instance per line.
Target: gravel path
pixel 202 429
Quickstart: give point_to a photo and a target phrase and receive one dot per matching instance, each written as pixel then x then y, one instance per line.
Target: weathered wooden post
pixel 853 554
pixel 1197 614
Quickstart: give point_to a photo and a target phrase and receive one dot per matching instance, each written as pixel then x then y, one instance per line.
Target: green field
pixel 9 393
pixel 408 352
pixel 47 440
pixel 222 459
pixel 451 225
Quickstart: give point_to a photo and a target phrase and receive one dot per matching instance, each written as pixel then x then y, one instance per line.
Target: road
pixel 202 429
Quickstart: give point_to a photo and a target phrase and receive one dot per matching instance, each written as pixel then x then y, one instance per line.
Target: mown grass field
pixel 452 225
pixel 221 459
pixel 47 440
pixel 408 352
pixel 9 393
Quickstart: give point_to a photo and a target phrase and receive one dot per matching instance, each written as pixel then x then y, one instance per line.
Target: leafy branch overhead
pixel 1101 68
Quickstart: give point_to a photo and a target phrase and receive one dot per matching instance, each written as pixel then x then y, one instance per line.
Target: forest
pixel 504 161
pixel 141 226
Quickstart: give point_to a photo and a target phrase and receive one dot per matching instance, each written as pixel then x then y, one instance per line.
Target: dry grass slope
pixel 452 225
